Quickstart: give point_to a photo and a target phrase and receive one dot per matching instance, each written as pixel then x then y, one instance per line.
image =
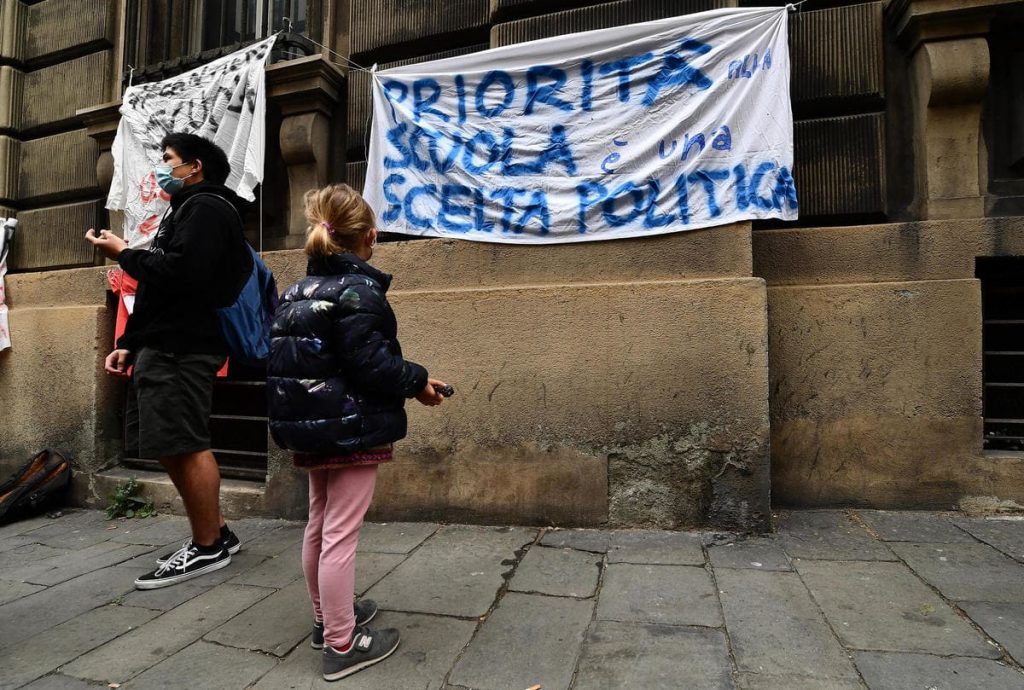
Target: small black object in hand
pixel 446 391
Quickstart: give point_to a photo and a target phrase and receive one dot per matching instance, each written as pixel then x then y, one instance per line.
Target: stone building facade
pixel 870 354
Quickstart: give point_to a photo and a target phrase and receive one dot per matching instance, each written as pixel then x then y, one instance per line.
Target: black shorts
pixel 168 408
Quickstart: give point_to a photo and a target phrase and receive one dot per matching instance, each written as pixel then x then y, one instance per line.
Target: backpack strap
pixel 211 195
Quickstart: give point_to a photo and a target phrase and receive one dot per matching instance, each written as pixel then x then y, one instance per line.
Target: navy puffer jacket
pixel 336 379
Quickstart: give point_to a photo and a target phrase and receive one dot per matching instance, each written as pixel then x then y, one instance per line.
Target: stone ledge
pixel 238 498
pixel 922 250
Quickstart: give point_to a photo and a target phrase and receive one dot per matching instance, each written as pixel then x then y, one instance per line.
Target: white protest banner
pixel 224 101
pixel 7 226
pixel 637 130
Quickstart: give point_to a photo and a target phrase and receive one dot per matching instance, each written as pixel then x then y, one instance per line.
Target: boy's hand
pixel 430 397
pixel 116 363
pixel 109 244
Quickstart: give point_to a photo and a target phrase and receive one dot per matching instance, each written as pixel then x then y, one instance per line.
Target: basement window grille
pixel 238 427
pixel 1002 300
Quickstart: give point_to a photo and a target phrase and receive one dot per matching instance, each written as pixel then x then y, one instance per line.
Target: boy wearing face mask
pixel 197 262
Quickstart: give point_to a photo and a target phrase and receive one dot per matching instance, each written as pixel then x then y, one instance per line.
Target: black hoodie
pixel 197 263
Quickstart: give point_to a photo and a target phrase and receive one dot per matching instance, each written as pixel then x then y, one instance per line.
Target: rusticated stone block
pixel 840 165
pixel 12 30
pixel 55 26
pixel 598 17
pixel 360 97
pixel 10 157
pixel 379 23
pixel 58 164
pixel 54 237
pixel 53 94
pixel 11 90
pixel 355 175
pixel 837 54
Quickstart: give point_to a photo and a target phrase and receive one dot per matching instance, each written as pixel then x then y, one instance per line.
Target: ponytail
pixel 339 220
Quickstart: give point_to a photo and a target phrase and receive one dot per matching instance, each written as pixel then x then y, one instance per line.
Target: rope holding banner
pixel 795 6
pixel 352 66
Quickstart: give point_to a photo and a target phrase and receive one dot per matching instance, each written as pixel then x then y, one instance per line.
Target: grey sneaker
pixel 365 610
pixel 368 647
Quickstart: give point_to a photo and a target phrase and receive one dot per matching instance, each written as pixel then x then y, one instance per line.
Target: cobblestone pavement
pixel 836 600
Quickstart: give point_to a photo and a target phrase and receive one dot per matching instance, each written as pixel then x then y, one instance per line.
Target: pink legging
pixel 338 500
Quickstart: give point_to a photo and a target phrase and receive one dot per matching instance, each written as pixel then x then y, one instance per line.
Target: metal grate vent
pixel 238 427
pixel 1002 299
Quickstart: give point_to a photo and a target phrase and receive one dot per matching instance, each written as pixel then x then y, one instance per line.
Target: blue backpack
pixel 245 323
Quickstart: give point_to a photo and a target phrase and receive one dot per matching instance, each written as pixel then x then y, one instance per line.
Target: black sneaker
pixel 365 610
pixel 186 563
pixel 368 647
pixel 231 543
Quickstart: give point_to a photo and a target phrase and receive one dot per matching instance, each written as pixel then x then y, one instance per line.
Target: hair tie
pixel 327 225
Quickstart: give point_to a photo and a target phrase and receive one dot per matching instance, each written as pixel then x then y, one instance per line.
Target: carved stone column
pixel 308 91
pixel 949 61
pixel 101 123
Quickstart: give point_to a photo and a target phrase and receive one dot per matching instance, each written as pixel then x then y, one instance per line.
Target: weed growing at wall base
pixel 127 502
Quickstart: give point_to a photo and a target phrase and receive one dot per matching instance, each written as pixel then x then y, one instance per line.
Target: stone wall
pixel 610 383
pixel 56 56
pixel 876 363
pixel 623 382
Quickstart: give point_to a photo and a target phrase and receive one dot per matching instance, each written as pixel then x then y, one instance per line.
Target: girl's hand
pixel 430 397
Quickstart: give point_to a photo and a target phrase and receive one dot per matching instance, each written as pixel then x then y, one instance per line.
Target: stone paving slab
pixel 557 572
pixel 910 526
pixel 15 541
pixel 882 606
pixel 528 639
pixel 220 668
pixel 394 537
pixel 888 671
pixel 167 598
pixel 146 646
pixel 1004 534
pixel 829 535
pixel 593 540
pixel 33 523
pixel 69 522
pixel 274 625
pixel 429 647
pixel 153 531
pixel 777 629
pixel 58 681
pixel 759 681
pixel 655 547
pixel 758 553
pixel 20 558
pixel 372 567
pixel 10 590
pixel 632 655
pixel 1004 623
pixel 53 571
pixel 25 617
pixel 666 594
pixel 277 571
pixel 456 572
pixel 975 572
pixel 274 541
pixel 76 531
pixel 38 655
